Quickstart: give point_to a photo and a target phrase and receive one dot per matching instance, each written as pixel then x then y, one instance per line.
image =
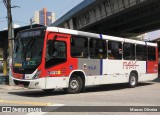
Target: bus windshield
pixel 28 51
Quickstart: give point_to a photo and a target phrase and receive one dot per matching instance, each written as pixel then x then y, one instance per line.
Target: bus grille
pixel 21 83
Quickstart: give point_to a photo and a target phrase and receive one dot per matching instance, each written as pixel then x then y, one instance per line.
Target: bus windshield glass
pixel 28 51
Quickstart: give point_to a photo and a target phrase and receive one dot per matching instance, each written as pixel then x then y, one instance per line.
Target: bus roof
pixel 107 37
pixel 73 32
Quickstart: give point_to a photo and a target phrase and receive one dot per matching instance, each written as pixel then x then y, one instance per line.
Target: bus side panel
pixel 152 66
pixel 58 76
pixel 91 68
pixel 148 77
pixel 118 71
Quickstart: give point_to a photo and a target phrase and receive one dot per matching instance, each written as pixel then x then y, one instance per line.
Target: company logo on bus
pixel 130 65
pixel 92 67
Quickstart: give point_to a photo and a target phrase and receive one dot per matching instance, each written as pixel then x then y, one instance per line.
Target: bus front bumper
pixel 33 84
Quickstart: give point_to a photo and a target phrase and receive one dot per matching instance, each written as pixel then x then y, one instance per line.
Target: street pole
pixel 31 22
pixel 9 27
pixel 7 4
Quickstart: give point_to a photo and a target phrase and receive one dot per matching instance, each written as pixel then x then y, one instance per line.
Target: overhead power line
pixel 20 22
pixel 3 17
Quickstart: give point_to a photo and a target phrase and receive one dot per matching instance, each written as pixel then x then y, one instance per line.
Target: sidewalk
pixel 6 84
pixel 9 87
pixel 4 79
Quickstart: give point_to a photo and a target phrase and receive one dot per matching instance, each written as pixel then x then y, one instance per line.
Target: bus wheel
pixel 75 84
pixel 48 90
pixel 133 80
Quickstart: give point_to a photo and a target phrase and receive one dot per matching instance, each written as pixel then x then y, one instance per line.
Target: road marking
pixel 26 103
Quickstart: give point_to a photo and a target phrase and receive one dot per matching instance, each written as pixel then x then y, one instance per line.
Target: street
pixel 145 94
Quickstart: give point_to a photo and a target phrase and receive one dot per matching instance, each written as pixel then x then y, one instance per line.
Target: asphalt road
pixel 145 94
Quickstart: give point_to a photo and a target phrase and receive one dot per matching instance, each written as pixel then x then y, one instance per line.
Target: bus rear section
pixel 50 58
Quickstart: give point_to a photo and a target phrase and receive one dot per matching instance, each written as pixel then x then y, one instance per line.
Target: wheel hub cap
pixel 133 80
pixel 74 84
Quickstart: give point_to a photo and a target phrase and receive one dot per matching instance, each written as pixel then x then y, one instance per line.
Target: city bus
pixel 51 58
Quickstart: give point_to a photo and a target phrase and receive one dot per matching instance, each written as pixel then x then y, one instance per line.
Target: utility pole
pixel 9 15
pixel 7 4
pixel 31 22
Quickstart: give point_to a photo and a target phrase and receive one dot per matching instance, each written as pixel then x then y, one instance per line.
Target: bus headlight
pixel 37 75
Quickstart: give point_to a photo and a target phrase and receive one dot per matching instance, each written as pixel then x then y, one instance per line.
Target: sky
pixel 22 15
pixel 154 35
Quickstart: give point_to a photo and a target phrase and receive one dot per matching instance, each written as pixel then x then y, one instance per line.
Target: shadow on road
pixel 109 87
pixel 37 93
pixel 112 87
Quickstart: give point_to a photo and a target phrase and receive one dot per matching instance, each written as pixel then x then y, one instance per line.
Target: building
pixel 44 17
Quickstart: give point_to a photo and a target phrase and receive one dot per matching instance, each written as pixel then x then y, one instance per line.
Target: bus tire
pixel 75 84
pixel 133 80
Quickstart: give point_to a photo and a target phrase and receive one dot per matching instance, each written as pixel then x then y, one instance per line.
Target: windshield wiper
pixel 26 48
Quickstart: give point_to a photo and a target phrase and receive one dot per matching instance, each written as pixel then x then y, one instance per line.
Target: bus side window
pixel 141 52
pixel 128 51
pixel 56 53
pixel 151 53
pixel 79 47
pixel 98 48
pixel 114 50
